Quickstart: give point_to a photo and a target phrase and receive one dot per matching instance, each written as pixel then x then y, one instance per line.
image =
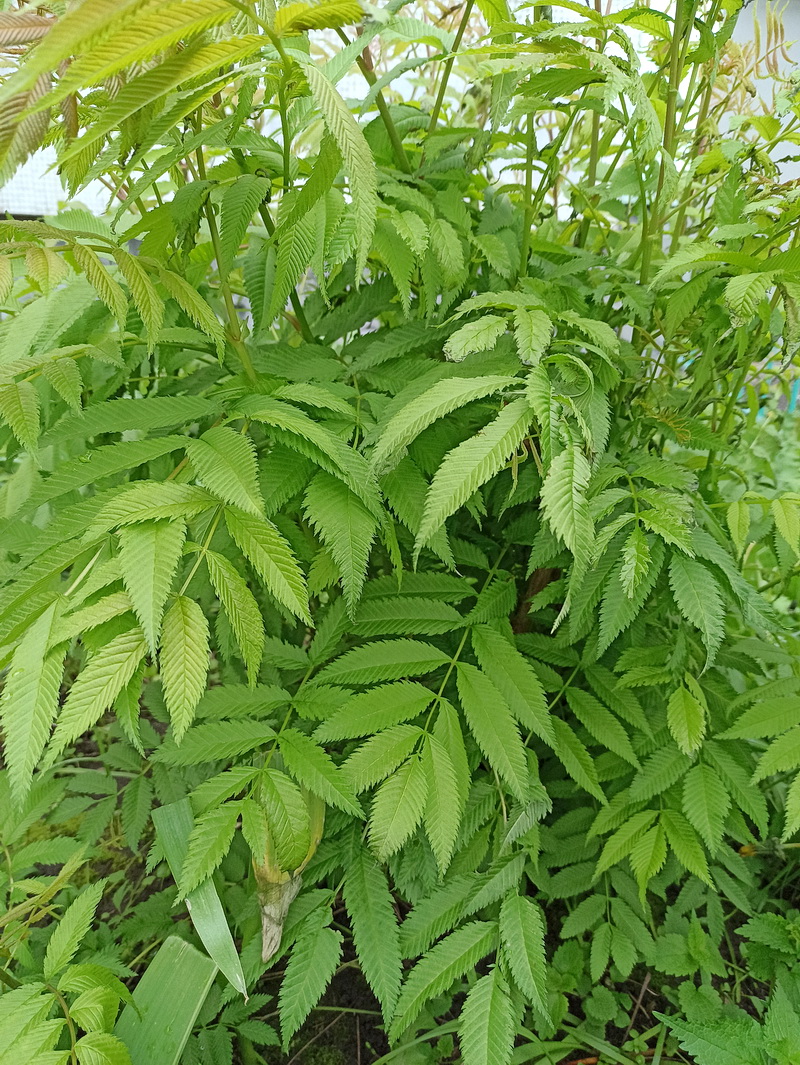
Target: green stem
pixel 676 54
pixel 527 218
pixel 234 330
pixel 201 554
pixel 448 66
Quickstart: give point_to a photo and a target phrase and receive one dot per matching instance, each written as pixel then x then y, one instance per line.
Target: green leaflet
pixel 311 966
pixel 287 816
pixel 397 808
pixel 314 769
pixel 470 465
pixel 358 162
pixel 454 956
pixel 522 936
pixel 347 529
pixel 225 462
pixel 495 730
pixel 565 504
pixel 97 686
pixel 379 708
pixel 514 678
pixel 184 661
pixel 369 903
pixel 488 1027
pixel 271 558
pixel 443 398
pixel 241 609
pixel 149 555
pixel 29 702
pixel 699 599
pixel 384 660
pixel 444 805
pixel 239 203
pixel 71 929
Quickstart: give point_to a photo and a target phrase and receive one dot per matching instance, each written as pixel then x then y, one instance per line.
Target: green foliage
pixel 400 536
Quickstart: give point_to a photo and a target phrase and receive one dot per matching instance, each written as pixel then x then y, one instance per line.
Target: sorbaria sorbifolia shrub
pixel 399 527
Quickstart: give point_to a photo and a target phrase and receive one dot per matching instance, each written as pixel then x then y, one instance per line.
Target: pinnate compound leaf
pixel 398 807
pixel 184 661
pixel 522 935
pixel 441 399
pixel 346 528
pixel 699 599
pixel 225 462
pixel 371 908
pixel 471 464
pixel 148 556
pixel 494 728
pixel 706 803
pixel 487 1024
pixel 450 959
pixel 241 609
pixel 315 770
pixel 271 558
pixel 312 963
pixel 71 929
pixel 29 702
pixel 97 686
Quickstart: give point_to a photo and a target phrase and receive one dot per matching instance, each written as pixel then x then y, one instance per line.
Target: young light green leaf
pixel 706 803
pixel 209 842
pixel 533 332
pixel 564 501
pixel 481 335
pixel 239 202
pixel 686 717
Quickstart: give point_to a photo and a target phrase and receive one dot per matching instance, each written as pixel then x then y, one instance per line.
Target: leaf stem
pixel 448 66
